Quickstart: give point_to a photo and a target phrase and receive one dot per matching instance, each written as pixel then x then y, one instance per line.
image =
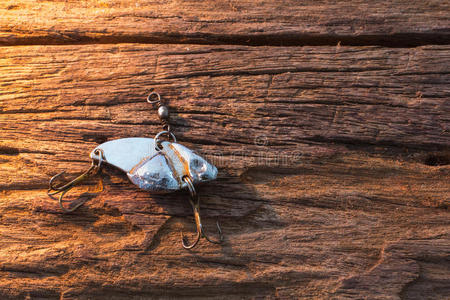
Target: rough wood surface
pixel 308 22
pixel 329 122
pixel 334 176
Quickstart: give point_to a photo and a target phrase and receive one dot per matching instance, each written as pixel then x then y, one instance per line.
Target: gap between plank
pixel 398 40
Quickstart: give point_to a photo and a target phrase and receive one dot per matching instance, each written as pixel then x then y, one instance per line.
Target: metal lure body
pixel 156 170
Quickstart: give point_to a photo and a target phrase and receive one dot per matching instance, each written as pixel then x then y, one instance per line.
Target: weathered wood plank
pixel 334 171
pixel 389 23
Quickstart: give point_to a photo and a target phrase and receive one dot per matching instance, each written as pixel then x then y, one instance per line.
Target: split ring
pixel 187 179
pixel 101 157
pixel 159 134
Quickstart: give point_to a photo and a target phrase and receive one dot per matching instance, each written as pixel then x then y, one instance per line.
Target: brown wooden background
pixel 328 120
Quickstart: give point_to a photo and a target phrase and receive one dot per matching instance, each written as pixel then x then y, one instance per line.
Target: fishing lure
pixel 153 164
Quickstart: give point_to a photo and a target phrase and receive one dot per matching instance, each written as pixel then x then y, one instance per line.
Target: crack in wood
pixel 398 40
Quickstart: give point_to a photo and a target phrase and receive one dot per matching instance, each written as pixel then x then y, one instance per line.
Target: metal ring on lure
pixel 101 156
pixel 191 187
pixel 156 138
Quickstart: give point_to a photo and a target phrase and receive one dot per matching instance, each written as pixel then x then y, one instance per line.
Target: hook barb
pixel 50 183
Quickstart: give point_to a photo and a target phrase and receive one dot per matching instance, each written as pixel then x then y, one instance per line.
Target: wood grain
pixel 400 23
pixel 333 171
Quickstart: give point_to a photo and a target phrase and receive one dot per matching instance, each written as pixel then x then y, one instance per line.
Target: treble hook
pixel 62 190
pixel 195 202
